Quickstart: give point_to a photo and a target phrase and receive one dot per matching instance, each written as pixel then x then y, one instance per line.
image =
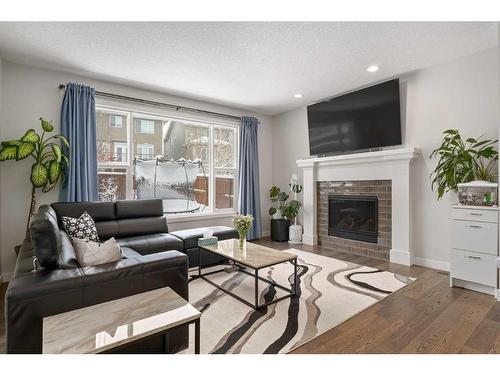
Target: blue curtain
pixel 248 186
pixel 78 124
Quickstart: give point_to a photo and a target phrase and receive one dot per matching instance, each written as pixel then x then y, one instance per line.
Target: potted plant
pixel 462 161
pixel 277 198
pixel 48 158
pixel 283 211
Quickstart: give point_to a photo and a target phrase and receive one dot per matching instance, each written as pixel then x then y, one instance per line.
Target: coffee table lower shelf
pixel 241 268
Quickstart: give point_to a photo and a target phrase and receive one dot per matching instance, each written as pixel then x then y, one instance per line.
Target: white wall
pixel 461 94
pixel 1 137
pixel 30 93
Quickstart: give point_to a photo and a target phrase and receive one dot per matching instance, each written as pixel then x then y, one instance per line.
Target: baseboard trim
pixel 310 239
pixel 492 291
pixel 400 257
pixel 266 233
pixel 431 263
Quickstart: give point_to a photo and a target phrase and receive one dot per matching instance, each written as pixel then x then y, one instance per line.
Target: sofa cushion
pixel 151 243
pixel 129 209
pixel 190 236
pixel 128 253
pixel 45 237
pixel 99 211
pixel 141 226
pixel 67 256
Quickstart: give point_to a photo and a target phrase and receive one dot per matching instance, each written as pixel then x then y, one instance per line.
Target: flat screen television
pixel 360 120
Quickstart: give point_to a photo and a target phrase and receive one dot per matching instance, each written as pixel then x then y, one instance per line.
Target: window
pixel 144 126
pixel 191 165
pixel 120 151
pixel 145 151
pixel 115 121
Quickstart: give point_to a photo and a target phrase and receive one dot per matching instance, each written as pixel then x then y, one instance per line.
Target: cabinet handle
pixel 473 257
pixel 474 214
pixel 475 226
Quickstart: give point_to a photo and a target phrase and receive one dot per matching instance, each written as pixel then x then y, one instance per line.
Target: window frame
pixel 137 112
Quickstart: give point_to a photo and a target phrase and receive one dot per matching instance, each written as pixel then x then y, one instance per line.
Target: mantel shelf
pixel 386 156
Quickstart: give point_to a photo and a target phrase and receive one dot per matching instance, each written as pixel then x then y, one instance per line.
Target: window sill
pixel 203 216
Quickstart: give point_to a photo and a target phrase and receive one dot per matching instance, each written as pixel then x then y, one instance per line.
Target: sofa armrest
pixel 33 296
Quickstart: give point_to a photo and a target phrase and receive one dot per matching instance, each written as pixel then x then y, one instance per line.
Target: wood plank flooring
pixel 426 317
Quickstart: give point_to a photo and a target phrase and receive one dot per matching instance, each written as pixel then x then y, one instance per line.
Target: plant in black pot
pixel 282 211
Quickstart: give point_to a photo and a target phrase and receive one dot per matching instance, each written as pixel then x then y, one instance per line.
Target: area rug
pixel 331 291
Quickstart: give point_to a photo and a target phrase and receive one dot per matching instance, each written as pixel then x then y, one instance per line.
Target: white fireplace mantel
pixel 391 165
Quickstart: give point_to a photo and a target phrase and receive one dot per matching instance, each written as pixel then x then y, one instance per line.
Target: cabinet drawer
pixel 475 267
pixel 490 216
pixel 475 236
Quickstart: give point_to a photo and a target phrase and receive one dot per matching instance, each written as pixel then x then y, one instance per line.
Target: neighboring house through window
pixel 115 121
pixel 145 151
pixel 121 151
pixel 144 126
pixel 208 185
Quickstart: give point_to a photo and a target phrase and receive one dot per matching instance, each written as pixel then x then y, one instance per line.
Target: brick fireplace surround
pixel 379 188
pixel 377 169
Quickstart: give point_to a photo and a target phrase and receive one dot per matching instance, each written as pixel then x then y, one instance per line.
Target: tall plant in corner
pixel 48 156
pixel 462 161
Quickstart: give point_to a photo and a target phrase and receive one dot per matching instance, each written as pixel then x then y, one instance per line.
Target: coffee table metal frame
pixel 255 274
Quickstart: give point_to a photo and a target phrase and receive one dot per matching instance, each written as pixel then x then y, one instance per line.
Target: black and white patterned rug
pixel 331 291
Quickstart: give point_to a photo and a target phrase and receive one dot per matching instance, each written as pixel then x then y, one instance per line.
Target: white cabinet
pixel 474 248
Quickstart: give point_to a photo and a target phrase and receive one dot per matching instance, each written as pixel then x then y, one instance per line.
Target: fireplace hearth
pixel 354 217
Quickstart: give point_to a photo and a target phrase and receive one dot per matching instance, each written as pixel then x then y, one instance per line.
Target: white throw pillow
pixel 91 253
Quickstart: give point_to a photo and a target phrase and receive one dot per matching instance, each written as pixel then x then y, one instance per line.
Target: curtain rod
pixel 160 104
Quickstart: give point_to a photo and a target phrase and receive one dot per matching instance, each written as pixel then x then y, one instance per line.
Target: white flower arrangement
pixel 242 224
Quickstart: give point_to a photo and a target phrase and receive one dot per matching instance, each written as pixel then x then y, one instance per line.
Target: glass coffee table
pixel 255 257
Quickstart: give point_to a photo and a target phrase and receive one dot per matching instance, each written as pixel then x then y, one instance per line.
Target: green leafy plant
pixel 279 202
pixel 47 153
pixel 462 161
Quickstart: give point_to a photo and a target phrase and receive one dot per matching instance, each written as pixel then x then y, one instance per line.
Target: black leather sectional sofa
pixel 153 258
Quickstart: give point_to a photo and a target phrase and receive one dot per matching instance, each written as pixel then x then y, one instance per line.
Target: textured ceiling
pixel 257 66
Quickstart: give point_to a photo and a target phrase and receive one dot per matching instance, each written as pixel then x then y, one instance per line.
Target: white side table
pixel 474 250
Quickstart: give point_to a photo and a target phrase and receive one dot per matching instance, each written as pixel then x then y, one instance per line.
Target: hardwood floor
pixel 426 317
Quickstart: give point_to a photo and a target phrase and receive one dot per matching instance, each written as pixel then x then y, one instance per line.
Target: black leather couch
pixel 153 258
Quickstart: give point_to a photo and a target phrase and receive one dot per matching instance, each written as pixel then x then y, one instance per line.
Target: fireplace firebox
pixel 353 217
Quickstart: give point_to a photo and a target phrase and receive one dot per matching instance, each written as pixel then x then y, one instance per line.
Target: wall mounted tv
pixel 361 120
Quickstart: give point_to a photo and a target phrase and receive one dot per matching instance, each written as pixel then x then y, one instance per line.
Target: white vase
pixel 295 234
pixel 277 215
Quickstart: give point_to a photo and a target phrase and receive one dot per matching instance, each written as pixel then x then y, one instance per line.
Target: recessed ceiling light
pixel 298 96
pixel 372 68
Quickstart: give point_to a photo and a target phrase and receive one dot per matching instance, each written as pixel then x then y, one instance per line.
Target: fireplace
pixel 354 217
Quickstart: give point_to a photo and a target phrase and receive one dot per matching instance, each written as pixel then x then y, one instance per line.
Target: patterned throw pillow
pixel 83 228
